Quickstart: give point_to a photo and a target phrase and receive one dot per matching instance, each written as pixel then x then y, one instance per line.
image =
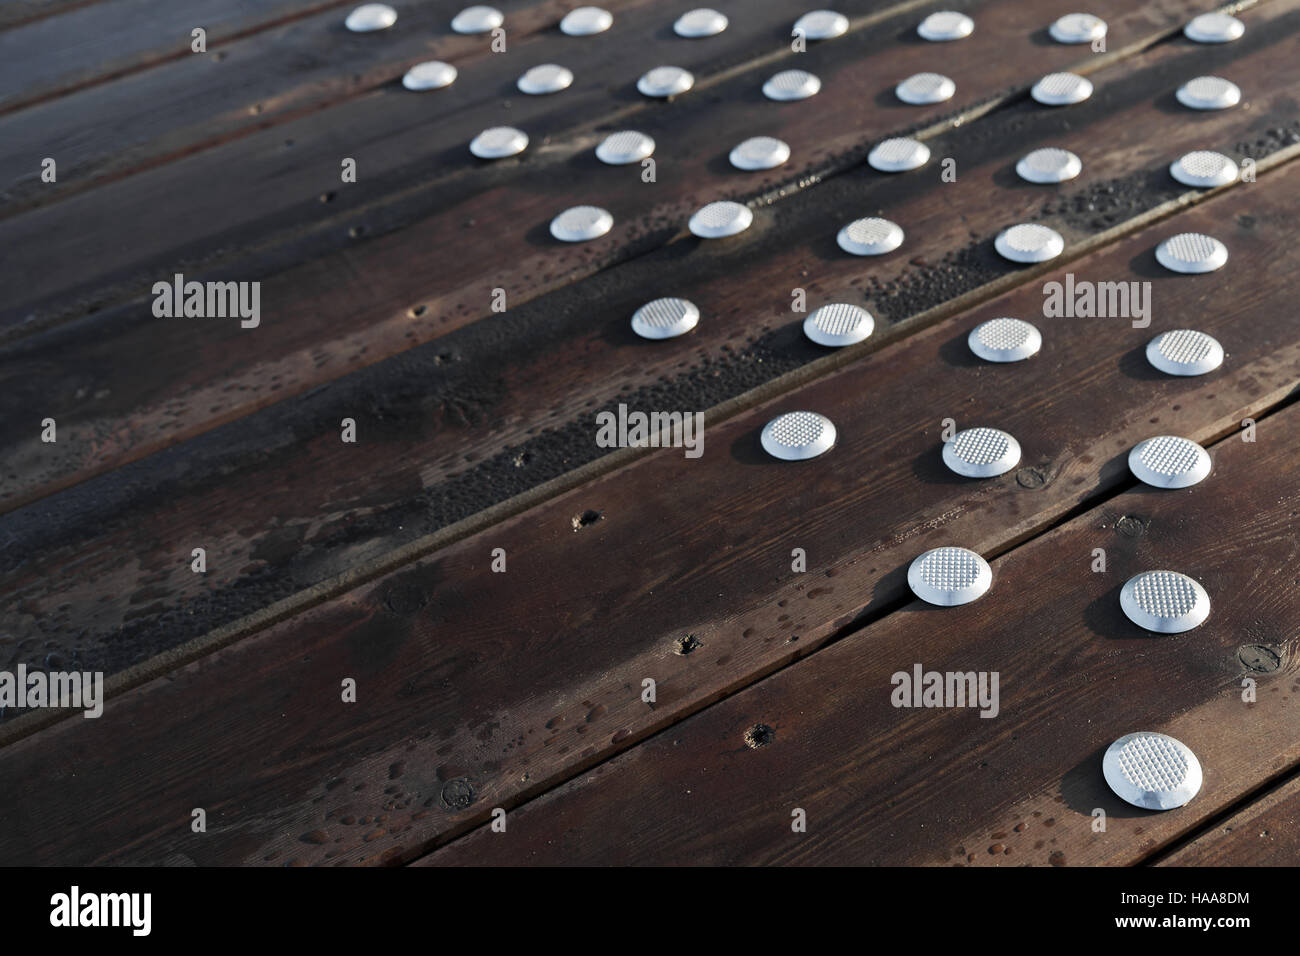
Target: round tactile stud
pixel 1168 461
pixel 1185 352
pixel 665 81
pixel 701 22
pixel 949 576
pixel 586 21
pixel 1214 28
pixel 791 85
pixel 665 318
pixel 581 223
pixel 795 436
pixel 946 25
pixel 370 17
pixel 870 237
pixel 838 324
pixel 1191 252
pixel 1061 89
pixel 1078 28
pixel 821 25
pixel 898 155
pixel 1029 242
pixel 1209 93
pixel 760 152
pixel 498 141
pixel 547 78
pixel 623 147
pixel 1004 340
pixel 981 452
pixel 1203 169
pixel 922 89
pixel 430 75
pixel 477 19
pixel 1049 165
pixel 1164 602
pixel 720 219
pixel 1152 771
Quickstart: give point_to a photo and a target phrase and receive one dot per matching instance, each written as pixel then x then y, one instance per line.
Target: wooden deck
pixel 480 689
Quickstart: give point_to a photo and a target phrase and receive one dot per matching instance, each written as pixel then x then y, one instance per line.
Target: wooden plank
pixel 98 42
pixel 1265 832
pixel 883 785
pixel 17 12
pixel 479 689
pixel 470 440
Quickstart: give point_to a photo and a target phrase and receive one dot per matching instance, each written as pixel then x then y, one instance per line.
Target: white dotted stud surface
pixel 1203 169
pixel 898 155
pixel 1214 28
pixel 1029 242
pixel 1192 252
pixel 430 75
pixel 1164 602
pixel 1061 89
pixel 1185 352
pixel 949 576
pixel 665 318
pixel 1078 28
pixel 623 147
pixel 477 19
pixel 1209 93
pixel 870 237
pixel 796 436
pixel 922 89
pixel 720 219
pixel 760 152
pixel 581 223
pixel 821 25
pixel 498 142
pixel 1004 340
pixel 945 25
pixel 370 17
pixel 1152 771
pixel 838 324
pixel 981 452
pixel 701 22
pixel 791 85
pixel 1049 165
pixel 1168 461
pixel 665 81
pixel 586 21
pixel 543 79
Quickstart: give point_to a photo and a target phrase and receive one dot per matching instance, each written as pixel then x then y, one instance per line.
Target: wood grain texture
pixel 478 689
pixel 1265 832
pixel 888 785
pixel 282 505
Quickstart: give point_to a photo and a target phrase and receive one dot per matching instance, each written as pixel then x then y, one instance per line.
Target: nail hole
pixel 684 645
pixel 586 518
pixel 760 735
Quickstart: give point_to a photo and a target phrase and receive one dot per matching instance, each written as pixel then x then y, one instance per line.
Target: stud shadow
pixel 956 352
pixel 1084 789
pixel 1133 364
pixel 928 468
pixel 1103 616
pixel 1043 37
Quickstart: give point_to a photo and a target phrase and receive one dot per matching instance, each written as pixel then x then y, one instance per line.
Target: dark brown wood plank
pixel 1265 832
pixel 882 785
pixel 510 406
pixel 479 689
pixel 17 12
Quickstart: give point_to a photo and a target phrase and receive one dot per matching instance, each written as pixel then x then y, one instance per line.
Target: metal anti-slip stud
pixel 498 142
pixel 623 147
pixel 586 21
pixel 898 155
pixel 1061 89
pixel 430 75
pixel 477 19
pixel 760 152
pixel 370 17
pixel 1029 242
pixel 1203 169
pixel 821 25
pixel 581 223
pixel 949 576
pixel 547 78
pixel 1164 602
pixel 870 237
pixel 701 22
pixel 796 436
pixel 945 25
pixel 665 81
pixel 1168 461
pixel 1191 253
pixel 1078 28
pixel 922 89
pixel 1152 771
pixel 1049 165
pixel 981 453
pixel 791 85
pixel 1004 340
pixel 1209 93
pixel 838 324
pixel 720 219
pixel 1184 352
pixel 665 318
pixel 1214 28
